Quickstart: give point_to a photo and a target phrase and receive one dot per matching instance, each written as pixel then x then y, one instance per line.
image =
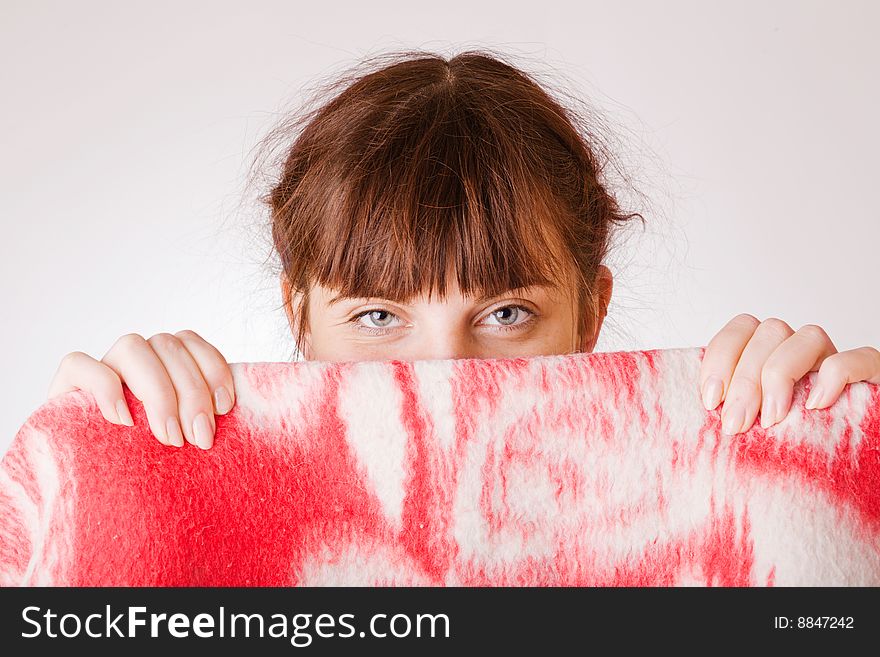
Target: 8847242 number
pixel 814 622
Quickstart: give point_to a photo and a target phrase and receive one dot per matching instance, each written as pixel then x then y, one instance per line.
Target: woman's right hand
pixel 181 380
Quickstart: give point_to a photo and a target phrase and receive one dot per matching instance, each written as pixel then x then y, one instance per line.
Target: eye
pixel 507 317
pixel 379 317
pixel 514 317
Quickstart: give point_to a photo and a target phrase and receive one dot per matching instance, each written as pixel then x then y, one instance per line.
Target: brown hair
pixel 423 166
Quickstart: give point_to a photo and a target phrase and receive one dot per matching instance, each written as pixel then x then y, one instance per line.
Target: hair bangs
pixel 441 202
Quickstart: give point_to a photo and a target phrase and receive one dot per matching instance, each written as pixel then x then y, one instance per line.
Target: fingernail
pixel 713 388
pixel 202 430
pixel 816 395
pixel 222 400
pixel 731 423
pixel 175 435
pixel 769 411
pixel 122 412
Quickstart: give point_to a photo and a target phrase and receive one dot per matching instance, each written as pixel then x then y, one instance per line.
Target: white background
pixel 127 128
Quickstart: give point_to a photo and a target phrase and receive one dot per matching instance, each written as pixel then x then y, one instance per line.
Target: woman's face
pixel 535 321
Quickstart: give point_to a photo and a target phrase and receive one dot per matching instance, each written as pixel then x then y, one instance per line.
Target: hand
pixel 182 380
pixel 753 365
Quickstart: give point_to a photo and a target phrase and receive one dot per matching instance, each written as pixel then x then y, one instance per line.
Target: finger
pixel 195 409
pixel 721 356
pixel 137 364
pixel 840 369
pixel 744 393
pixel 802 352
pixel 79 371
pixel 215 370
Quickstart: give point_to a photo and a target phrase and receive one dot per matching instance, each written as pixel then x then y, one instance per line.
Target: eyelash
pixel 384 331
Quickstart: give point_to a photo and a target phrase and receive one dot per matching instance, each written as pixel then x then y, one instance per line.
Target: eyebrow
pixel 339 297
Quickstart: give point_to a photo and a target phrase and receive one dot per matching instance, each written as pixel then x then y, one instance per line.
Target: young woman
pixel 446 209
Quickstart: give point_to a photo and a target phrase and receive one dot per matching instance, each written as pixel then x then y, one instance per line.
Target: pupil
pixel 511 310
pixel 378 312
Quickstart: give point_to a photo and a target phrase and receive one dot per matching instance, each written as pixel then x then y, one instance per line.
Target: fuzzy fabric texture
pixel 598 469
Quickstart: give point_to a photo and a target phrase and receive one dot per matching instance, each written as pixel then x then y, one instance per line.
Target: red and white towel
pixel 595 469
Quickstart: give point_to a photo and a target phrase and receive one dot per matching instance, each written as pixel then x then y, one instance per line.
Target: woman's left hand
pixel 753 365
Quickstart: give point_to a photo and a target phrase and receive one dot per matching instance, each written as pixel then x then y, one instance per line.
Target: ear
pixel 604 286
pixel 291 309
pixel 288 309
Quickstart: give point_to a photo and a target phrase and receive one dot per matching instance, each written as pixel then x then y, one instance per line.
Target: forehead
pixel 330 297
